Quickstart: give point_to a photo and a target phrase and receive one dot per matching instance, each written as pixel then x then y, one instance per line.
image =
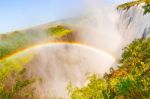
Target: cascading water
pixel 57 64
pixel 103 29
pixel 133 24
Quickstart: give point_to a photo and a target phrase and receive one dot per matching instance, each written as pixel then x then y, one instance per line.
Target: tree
pixel 14 83
pixel 129 81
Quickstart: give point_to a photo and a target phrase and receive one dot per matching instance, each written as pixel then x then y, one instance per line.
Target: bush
pixel 129 81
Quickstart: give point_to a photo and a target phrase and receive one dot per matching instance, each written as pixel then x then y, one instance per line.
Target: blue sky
pixel 20 14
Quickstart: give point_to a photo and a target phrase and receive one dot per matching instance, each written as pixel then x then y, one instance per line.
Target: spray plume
pixel 61 62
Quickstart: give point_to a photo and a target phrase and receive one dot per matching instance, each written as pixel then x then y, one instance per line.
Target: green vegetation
pixel 14 84
pixel 59 31
pixel 10 43
pixel 129 81
pixel 15 41
pixel 128 5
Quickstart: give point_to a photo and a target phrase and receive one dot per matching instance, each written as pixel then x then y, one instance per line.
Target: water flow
pixel 98 28
pixel 103 29
pixel 133 24
pixel 110 30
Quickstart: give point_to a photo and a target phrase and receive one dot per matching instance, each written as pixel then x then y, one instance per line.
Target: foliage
pixel 14 84
pixel 146 8
pixel 10 43
pixel 16 41
pixel 128 5
pixel 94 90
pixel 58 31
pixel 129 81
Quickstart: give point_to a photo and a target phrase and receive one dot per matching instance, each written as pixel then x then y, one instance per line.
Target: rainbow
pixel 36 46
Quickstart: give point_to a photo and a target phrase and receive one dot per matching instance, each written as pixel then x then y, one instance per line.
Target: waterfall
pixel 101 34
pixel 103 29
pixel 133 24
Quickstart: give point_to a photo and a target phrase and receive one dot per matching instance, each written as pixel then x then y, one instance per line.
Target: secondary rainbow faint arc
pixel 36 46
